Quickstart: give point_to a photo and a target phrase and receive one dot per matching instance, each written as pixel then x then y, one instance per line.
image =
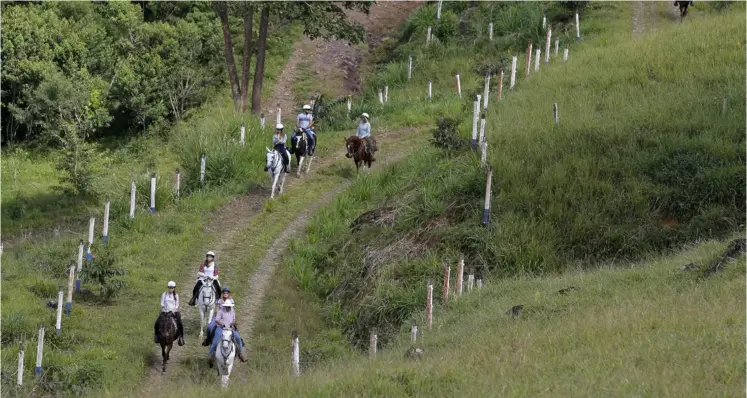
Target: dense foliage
pixel 105 68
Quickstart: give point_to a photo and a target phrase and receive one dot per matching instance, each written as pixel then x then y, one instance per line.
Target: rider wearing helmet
pixel 364 132
pixel 170 303
pixel 278 142
pixel 226 318
pixel 225 298
pixel 208 269
pixel 305 123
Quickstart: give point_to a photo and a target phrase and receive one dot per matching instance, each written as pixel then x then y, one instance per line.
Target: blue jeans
pixel 312 141
pixel 218 334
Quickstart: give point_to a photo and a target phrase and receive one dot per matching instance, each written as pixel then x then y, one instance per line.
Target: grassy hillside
pixel 648 329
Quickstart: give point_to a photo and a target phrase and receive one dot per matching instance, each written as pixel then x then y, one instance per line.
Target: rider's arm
pixel 176 308
pixel 298 121
pixel 311 122
pixel 219 319
pixel 163 301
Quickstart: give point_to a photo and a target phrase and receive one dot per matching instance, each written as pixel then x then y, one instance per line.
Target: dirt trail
pixel 648 16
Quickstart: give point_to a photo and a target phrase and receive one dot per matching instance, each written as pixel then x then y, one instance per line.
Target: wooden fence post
pixel 203 161
pixel 105 230
pixel 19 379
pixel 555 113
pixel 132 200
pixel 483 153
pixel 91 227
pixel 58 325
pixel 373 343
pixel 429 307
pixel 486 95
pixel 296 360
pixel 486 211
pixel 528 59
pixel 513 73
pixel 153 193
pixel 409 67
pixel 447 275
pixel 39 351
pixel 482 128
pixel 80 266
pixel 460 275
pixel 500 86
pixel 70 280
pixel 413 333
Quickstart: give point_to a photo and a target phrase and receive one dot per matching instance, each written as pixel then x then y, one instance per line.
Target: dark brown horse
pixel 167 334
pixel 683 7
pixel 356 148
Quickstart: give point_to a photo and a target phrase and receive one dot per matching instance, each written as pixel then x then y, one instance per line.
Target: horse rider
pixel 305 123
pixel 226 318
pixel 364 132
pixel 278 142
pixel 224 298
pixel 208 269
pixel 170 304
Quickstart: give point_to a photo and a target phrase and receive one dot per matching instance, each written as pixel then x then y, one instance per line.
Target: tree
pixel 248 27
pixel 259 69
pixel 221 8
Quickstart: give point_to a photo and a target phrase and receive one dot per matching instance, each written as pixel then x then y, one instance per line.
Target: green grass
pixel 648 329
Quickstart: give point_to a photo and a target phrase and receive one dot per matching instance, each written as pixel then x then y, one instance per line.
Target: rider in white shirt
pixel 208 269
pixel 170 303
pixel 305 123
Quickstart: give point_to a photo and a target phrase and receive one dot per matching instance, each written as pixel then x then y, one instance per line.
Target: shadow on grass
pixel 45 210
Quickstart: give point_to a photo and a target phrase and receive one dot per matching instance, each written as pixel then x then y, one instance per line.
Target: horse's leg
pixel 168 350
pixel 274 184
pixel 308 164
pixel 282 183
pixel 163 356
pixel 202 321
pixel 300 162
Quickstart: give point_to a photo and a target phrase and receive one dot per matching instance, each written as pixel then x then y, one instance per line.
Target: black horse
pixel 167 334
pixel 300 147
pixel 683 7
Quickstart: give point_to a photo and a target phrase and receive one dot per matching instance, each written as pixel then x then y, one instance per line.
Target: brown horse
pixel 356 148
pixel 167 334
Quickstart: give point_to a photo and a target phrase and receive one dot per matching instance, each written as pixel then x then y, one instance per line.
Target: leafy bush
pixel 77 162
pixel 101 271
pixel 446 136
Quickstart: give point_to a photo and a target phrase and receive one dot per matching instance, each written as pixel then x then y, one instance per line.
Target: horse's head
pixel 226 338
pixel 352 144
pixel 207 291
pixel 270 157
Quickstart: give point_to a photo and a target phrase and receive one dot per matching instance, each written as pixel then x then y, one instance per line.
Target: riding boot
pixel 240 355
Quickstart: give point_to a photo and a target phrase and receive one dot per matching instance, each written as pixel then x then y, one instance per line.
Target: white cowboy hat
pixel 171 284
pixel 228 303
pixel 279 126
pixel 210 253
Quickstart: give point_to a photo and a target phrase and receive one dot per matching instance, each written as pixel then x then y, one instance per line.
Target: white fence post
pixel 430 90
pixel 513 72
pixel 486 211
pixel 262 121
pixel 578 28
pixel 447 276
pixel 548 41
pixel 438 11
pixel 470 282
pixel 91 226
pixel 544 22
pixel 460 275
pixel 429 307
pixel 428 37
pixel 203 161
pixel 529 60
pixel 39 351
pixel 413 332
pixel 487 91
pixel 105 231
pixel 296 354
pixel 537 61
pixel 349 105
pixel 459 85
pixel 373 343
pixel 80 266
pixel 482 128
pixel 70 281
pixel 479 283
pixel 132 200
pixel 555 113
pixel 409 68
pixel 242 134
pixel 386 94
pixel 19 380
pixel 490 31
pixel 475 113
pixel 565 54
pixel 178 183
pixel 153 193
pixel 381 97
pixel 483 153
pixel 557 44
pixel 58 325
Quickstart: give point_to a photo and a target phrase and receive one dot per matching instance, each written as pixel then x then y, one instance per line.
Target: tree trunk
pixel 221 8
pixel 259 69
pixel 248 22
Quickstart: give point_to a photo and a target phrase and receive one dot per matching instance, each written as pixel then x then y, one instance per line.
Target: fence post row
pixel 565 54
pixel 486 95
pixel 459 85
pixel 578 28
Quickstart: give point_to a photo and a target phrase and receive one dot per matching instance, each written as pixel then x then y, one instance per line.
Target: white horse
pixel 302 152
pixel 224 356
pixel 206 303
pixel 275 169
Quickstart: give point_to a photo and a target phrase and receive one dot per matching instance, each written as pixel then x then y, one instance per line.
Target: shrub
pixel 446 136
pixel 102 272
